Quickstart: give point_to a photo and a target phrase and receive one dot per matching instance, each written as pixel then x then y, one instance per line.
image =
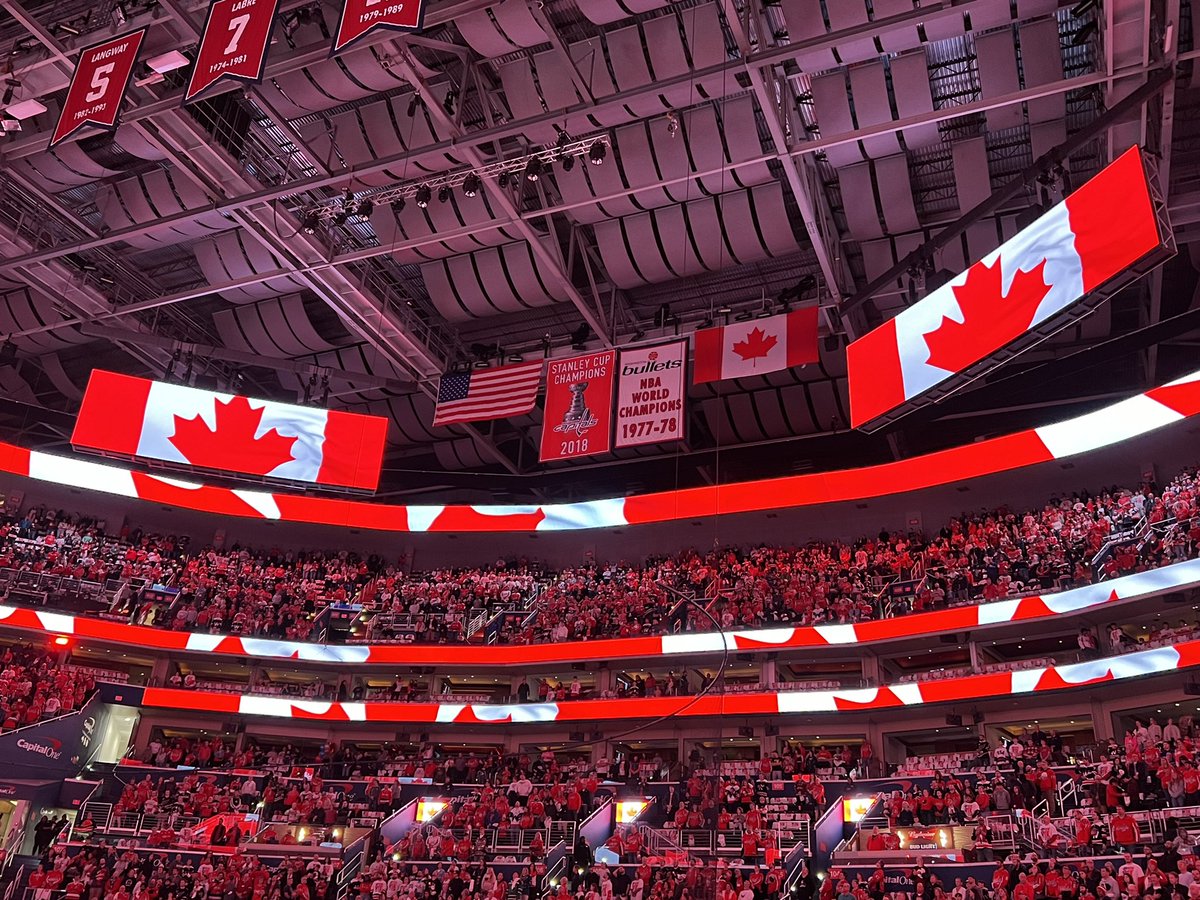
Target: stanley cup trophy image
pixel 578 410
pixel 578 418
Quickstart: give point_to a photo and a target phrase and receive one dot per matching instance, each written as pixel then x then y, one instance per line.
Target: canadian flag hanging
pixel 756 347
pixel 1096 233
pixel 132 416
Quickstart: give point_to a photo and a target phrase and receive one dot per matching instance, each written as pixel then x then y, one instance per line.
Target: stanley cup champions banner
pixel 651 394
pixel 579 394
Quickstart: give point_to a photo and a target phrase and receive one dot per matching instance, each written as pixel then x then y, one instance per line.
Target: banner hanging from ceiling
pixel 233 45
pixel 98 85
pixel 651 395
pixel 578 416
pixel 756 346
pixel 361 17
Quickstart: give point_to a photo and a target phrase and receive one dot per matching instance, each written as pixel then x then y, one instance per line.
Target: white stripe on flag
pixel 492 394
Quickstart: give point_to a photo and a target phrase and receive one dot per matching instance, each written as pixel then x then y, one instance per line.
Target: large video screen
pixel 138 418
pixel 1038 274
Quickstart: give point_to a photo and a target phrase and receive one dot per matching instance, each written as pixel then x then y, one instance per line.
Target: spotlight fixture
pixel 470 185
pixel 672 123
pixel 10 88
pixel 423 195
pixel 311 220
pixel 568 162
pixel 341 216
pixel 563 139
pixel 444 193
pixel 366 206
pixel 412 104
pixel 533 169
pixel 503 180
pixel 398 204
pixel 597 152
pixel 448 103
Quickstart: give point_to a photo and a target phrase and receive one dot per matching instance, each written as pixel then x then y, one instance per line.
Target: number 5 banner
pixel 98 85
pixel 578 416
pixel 234 44
pixel 361 17
pixel 651 394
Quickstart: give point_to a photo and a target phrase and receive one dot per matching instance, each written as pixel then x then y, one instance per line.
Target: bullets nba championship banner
pixel 579 393
pixel 98 85
pixel 234 44
pixel 651 394
pixel 361 17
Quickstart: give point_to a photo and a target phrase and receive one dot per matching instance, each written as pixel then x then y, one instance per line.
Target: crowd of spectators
pixel 1145 875
pixel 974 558
pixel 106 872
pixel 34 687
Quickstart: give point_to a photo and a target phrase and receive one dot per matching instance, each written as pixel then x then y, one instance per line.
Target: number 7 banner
pixel 98 85
pixel 361 17
pixel 234 44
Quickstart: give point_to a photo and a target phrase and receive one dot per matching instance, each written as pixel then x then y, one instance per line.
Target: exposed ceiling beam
pixel 806 189
pixel 319 52
pixel 552 261
pixel 270 194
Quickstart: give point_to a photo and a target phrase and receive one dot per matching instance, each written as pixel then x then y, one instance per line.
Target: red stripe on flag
pixel 1182 398
pixel 352 452
pixel 802 337
pixel 111 415
pixel 14 459
pixel 1113 220
pixel 873 367
pixel 709 351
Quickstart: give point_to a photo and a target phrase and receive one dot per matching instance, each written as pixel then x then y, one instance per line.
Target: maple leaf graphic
pixel 232 445
pixel 991 318
pixel 755 345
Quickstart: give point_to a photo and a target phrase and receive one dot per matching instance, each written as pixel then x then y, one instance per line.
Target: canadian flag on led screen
pixel 757 346
pixel 174 423
pixel 1097 232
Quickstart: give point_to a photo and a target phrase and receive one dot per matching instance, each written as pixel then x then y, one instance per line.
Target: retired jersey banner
pixel 578 415
pixel 651 394
pixel 98 85
pixel 233 45
pixel 1097 233
pixel 187 426
pixel 361 17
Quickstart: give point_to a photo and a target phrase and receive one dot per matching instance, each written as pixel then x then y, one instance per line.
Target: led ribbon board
pixel 136 417
pixel 661 647
pixel 1159 661
pixel 1046 276
pixel 1130 418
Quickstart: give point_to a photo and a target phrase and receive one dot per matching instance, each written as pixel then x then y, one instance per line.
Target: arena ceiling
pixel 760 152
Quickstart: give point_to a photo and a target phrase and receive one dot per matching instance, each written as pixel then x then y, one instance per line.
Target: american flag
pixel 492 393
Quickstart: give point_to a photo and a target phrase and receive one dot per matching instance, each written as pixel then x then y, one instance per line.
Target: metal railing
pixel 106 820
